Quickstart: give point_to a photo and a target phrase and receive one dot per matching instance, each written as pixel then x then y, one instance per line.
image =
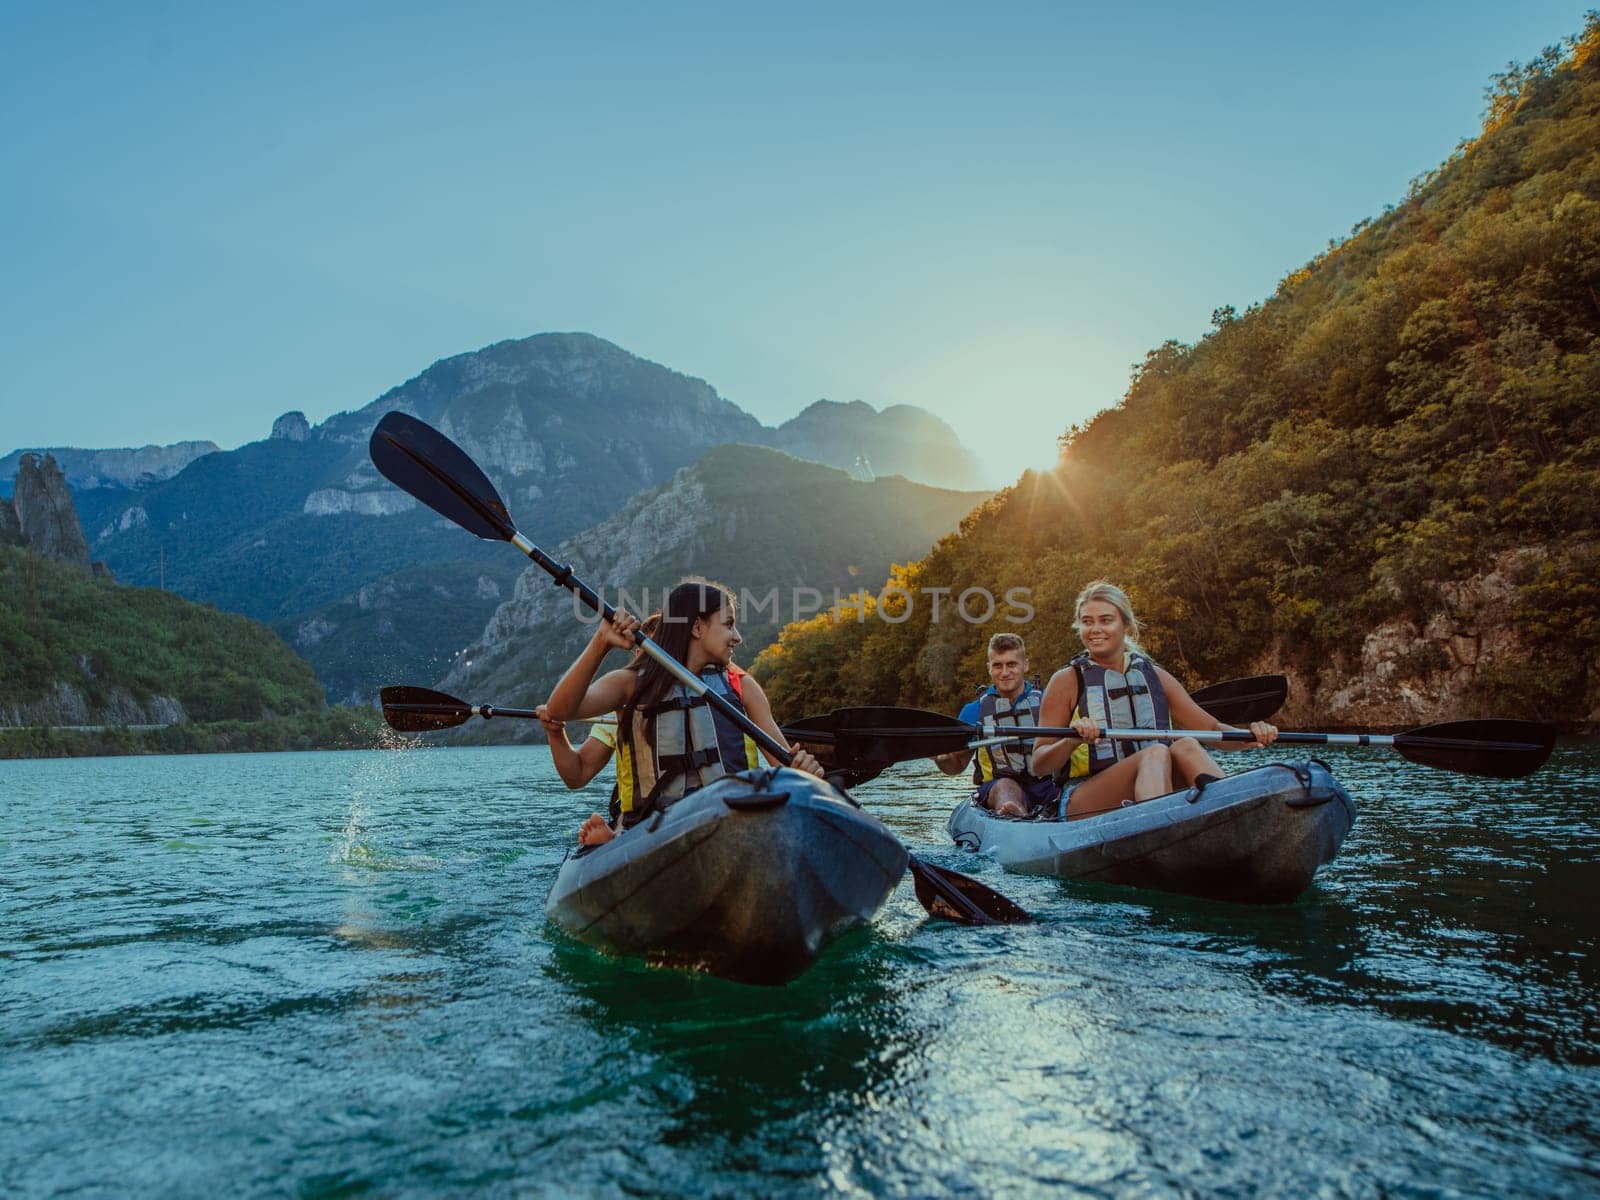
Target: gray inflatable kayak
pixel 747 878
pixel 1257 837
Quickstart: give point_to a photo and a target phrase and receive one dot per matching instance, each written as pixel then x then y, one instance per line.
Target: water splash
pixel 352 850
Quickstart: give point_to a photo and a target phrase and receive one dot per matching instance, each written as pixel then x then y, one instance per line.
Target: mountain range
pixel 299 527
pixel 124 468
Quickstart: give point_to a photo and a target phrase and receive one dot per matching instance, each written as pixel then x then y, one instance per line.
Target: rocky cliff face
pixel 45 515
pixel 293 426
pixel 65 705
pixel 123 468
pixel 1409 674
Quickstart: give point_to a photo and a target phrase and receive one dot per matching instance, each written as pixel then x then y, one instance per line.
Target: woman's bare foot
pixel 594 831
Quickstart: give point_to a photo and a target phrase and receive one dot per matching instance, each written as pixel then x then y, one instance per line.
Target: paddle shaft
pixel 486 711
pixel 561 574
pixel 1200 735
pixel 1240 735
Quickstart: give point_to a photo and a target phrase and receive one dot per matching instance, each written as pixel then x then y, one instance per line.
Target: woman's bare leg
pixel 1140 776
pixel 1190 760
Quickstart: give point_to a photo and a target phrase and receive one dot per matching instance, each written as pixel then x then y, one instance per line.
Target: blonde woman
pixel 1114 685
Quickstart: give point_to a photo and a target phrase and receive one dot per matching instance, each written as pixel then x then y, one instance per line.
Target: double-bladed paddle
pixel 422 461
pixel 1234 701
pixel 423 710
pixel 1499 748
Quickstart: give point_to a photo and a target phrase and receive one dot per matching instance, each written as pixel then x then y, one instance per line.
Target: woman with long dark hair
pixel 670 742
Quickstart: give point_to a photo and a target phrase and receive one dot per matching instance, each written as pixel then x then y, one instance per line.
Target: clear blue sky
pixel 210 215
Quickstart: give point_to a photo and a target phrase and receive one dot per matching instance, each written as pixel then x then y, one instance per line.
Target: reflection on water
pixel 331 974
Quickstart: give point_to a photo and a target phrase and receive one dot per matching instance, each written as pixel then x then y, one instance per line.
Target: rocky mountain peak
pixel 292 426
pixel 898 440
pixel 44 512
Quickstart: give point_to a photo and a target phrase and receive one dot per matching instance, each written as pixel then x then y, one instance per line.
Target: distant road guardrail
pixel 79 728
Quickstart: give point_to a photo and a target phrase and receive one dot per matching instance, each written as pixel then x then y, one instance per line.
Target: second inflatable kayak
pixel 1257 837
pixel 747 878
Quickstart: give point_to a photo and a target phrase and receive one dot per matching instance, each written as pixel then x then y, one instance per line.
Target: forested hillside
pixel 61 627
pixel 1385 477
pixel 81 650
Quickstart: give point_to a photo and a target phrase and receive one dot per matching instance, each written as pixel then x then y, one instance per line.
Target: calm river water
pixel 330 975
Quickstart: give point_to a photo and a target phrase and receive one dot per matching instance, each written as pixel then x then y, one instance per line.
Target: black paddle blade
pixel 957 897
pixel 879 733
pixel 844 768
pixel 418 459
pixel 1500 749
pixel 818 731
pixel 418 710
pixel 1240 701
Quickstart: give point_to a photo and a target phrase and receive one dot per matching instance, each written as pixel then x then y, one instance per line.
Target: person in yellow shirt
pixel 578 765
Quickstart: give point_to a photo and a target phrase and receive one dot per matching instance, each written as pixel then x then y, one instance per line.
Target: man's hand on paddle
pixel 1264 733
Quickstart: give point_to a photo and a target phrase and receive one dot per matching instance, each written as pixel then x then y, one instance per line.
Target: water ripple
pixel 324 974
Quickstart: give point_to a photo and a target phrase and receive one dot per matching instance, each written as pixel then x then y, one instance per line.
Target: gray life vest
pixel 996 712
pixel 1130 699
pixel 679 744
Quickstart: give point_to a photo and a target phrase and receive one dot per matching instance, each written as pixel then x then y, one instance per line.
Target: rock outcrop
pixel 45 514
pixel 1409 674
pixel 329 502
pixel 292 426
pixel 65 705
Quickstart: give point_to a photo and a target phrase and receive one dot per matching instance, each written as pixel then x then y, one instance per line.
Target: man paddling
pixel 1002 779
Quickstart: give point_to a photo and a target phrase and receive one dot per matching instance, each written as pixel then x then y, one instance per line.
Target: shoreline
pixel 340 728
pixel 288 735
